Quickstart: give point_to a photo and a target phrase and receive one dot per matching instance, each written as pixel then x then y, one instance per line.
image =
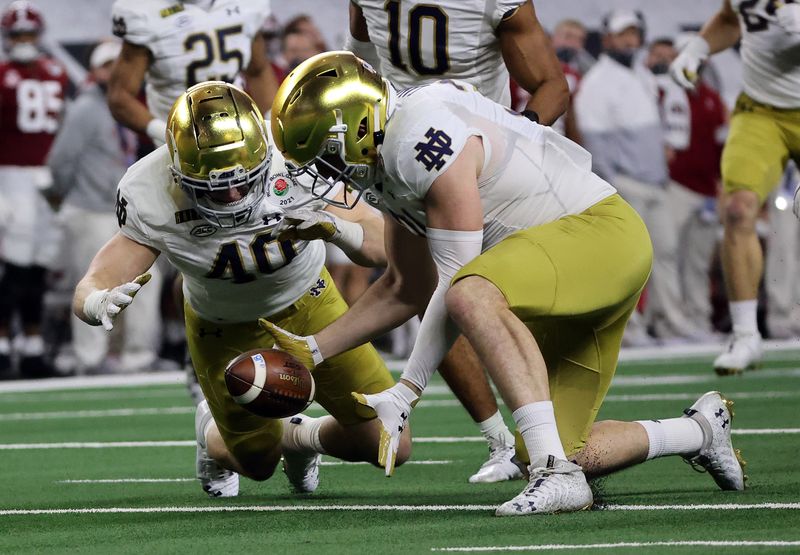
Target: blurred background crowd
pixel 83 152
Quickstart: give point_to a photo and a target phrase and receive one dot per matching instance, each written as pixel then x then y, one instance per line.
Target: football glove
pixel 789 17
pixel 685 68
pixel 302 347
pixel 103 306
pixel 392 407
pixel 796 206
pixel 308 225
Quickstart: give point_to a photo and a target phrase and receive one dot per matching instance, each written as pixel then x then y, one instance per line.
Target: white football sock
pixel 537 424
pixel 303 436
pixel 673 436
pixel 5 346
pixel 494 429
pixel 33 346
pixel 744 316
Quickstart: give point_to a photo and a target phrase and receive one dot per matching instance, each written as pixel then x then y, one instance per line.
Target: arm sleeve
pixel 450 250
pixel 65 154
pixel 131 24
pixel 502 9
pixel 432 143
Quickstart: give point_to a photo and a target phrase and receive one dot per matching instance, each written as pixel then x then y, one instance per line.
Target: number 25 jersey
pixel 420 42
pixel 189 44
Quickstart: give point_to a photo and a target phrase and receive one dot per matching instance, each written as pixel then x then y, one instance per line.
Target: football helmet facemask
pixel 217 142
pixel 328 119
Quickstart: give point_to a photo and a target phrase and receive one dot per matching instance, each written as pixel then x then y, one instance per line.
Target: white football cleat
pixel 216 480
pixel 300 466
pixel 743 352
pixel 725 464
pixel 500 467
pixel 555 486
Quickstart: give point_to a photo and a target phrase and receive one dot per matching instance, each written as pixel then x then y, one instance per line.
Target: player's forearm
pixel 262 86
pixel 128 110
pixel 372 252
pixel 721 31
pixel 383 307
pixel 550 100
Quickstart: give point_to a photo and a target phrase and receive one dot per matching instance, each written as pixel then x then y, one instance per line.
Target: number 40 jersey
pixel 189 42
pixel 420 42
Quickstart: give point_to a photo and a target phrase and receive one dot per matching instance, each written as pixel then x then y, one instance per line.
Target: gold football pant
pixel 212 345
pixel 761 140
pixel 574 282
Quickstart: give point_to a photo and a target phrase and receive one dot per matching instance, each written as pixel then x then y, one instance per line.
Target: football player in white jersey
pixel 478 41
pixel 174 44
pixel 539 262
pixel 764 134
pixel 210 201
pixel 481 42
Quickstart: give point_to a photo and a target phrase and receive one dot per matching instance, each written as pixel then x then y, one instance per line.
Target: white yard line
pixel 191 443
pixel 561 546
pixel 395 508
pixel 16 416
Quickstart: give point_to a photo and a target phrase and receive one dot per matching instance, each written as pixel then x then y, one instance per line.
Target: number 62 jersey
pixel 190 41
pixel 229 275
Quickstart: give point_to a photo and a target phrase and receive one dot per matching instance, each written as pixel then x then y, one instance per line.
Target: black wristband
pixel 531 115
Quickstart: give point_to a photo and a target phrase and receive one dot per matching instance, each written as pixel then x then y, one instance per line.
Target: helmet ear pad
pixel 217 141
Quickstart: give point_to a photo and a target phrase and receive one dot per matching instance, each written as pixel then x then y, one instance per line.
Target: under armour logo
pixel 216 333
pixel 122 211
pixel 316 290
pixel 719 413
pixel 434 153
pixel 233 10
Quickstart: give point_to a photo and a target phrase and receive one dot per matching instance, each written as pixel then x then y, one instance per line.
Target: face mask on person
pixel 660 69
pixel 23 52
pixel 566 54
pixel 623 56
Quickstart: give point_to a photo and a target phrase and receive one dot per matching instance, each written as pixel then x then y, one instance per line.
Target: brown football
pixel 269 383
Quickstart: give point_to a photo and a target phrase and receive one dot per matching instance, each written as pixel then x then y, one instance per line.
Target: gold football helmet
pixel 328 119
pixel 217 141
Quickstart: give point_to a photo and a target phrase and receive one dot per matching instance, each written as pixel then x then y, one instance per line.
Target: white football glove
pixel 308 225
pixel 103 306
pixel 685 68
pixel 392 407
pixel 796 206
pixel 789 17
pixel 302 347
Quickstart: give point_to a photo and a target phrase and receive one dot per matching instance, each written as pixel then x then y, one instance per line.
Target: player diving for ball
pixel 539 263
pixel 210 201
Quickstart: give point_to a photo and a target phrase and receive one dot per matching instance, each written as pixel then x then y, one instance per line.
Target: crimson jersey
pixel 31 101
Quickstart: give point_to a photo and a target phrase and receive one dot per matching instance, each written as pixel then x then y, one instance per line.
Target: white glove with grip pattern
pixel 103 306
pixel 393 408
pixel 308 225
pixel 686 67
pixel 789 17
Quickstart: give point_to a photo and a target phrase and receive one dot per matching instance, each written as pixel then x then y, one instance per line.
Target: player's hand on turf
pixel 789 17
pixel 392 407
pixel 103 306
pixel 685 68
pixel 302 347
pixel 307 225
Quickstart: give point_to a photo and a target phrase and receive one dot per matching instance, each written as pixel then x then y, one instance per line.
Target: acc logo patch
pixel 203 230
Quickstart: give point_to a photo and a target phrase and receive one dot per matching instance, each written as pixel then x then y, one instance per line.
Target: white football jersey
pixel 421 42
pixel 189 44
pixel 229 275
pixel 531 174
pixel 770 55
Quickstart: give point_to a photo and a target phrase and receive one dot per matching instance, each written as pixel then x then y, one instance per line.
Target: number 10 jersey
pixel 189 44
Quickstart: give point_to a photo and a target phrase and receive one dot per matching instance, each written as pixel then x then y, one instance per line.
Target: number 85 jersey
pixel 229 275
pixel 189 42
